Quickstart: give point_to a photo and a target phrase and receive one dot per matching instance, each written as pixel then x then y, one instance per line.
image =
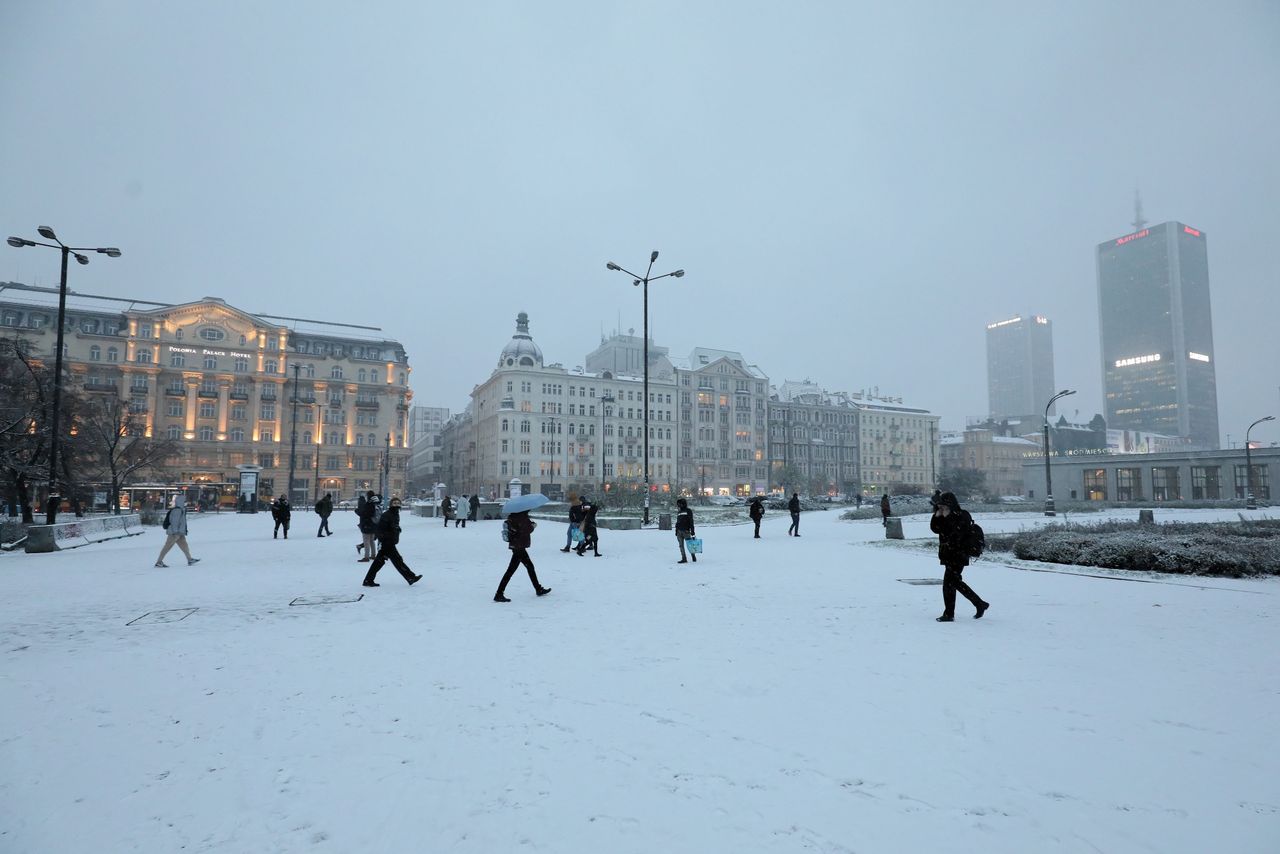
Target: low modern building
pixel 1187 475
pixel 220 382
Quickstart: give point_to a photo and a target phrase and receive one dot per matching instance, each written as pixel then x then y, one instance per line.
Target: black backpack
pixel 165 523
pixel 975 540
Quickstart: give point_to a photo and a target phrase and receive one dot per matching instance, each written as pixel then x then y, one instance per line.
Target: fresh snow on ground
pixel 779 695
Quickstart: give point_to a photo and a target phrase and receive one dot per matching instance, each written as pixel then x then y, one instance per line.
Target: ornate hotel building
pixel 219 381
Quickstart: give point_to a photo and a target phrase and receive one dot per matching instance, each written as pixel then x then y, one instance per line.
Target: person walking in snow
pixel 280 512
pixel 474 515
pixel 324 507
pixel 756 512
pixel 462 507
pixel 684 529
pixel 794 507
pixel 446 509
pixel 885 511
pixel 175 526
pixel 952 525
pixel 367 520
pixel 590 532
pixel 575 521
pixel 388 540
pixel 519 539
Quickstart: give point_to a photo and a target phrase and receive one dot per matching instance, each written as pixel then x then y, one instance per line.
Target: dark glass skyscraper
pixel 1157 333
pixel 1019 368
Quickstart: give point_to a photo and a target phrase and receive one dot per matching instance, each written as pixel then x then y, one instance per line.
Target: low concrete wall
pixel 893 528
pixel 81 532
pixel 618 523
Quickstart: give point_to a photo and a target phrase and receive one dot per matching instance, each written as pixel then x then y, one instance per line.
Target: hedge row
pixel 1228 549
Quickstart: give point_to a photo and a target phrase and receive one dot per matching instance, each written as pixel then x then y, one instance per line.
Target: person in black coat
pixel 590 533
pixel 388 540
pixel 794 506
pixel 756 512
pixel 952 524
pixel 885 510
pixel 280 512
pixel 519 539
pixel 324 507
pixel 576 512
pixel 933 501
pixel 475 508
pixel 446 510
pixel 684 529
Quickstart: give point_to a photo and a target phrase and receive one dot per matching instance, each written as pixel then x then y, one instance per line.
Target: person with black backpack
pixel 175 528
pixel 324 507
pixel 959 538
pixel 281 514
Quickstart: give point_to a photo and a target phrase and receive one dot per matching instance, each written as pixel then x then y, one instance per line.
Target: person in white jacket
pixel 175 525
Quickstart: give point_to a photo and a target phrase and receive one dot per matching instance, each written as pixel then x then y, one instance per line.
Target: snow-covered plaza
pixel 779 695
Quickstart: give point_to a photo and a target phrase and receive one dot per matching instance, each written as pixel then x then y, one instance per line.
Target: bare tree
pixel 25 383
pixel 111 442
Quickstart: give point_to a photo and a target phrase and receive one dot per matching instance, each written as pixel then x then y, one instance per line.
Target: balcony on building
pixel 366 402
pixel 268 393
pixel 93 384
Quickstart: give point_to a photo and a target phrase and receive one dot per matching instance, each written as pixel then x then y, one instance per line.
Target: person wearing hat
pixel 684 529
pixel 756 512
pixel 388 539
pixel 951 524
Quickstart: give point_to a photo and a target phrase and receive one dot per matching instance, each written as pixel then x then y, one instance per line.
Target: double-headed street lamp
pixel 51 510
pixel 1048 473
pixel 645 280
pixel 1251 503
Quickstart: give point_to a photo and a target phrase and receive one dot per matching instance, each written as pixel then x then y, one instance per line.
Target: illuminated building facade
pixel 1019 368
pixel 1157 333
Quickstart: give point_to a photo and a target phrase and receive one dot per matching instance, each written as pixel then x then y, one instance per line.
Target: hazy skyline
pixel 854 191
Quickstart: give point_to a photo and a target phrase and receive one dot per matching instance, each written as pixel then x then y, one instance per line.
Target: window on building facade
pixel 175 409
pixel 205 434
pixel 144 356
pixel 265 436
pixel 210 363
pixel 237 435
pixel 239 412
pixel 174 432
pixel 145 330
pixel 1128 484
pixel 267 461
pixel 242 365
pixel 336 372
pixel 271 366
pixel 206 410
pixel 1206 483
pixel 95 353
pixel 1095 484
pixel 1164 484
pixel 268 412
pixel 210 333
pixel 113 354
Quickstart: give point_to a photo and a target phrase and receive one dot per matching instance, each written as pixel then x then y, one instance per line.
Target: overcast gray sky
pixel 854 189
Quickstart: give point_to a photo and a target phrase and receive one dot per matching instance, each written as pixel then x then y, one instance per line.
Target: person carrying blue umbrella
pixel 518 532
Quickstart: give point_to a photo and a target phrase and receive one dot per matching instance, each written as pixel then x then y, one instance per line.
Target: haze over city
pixel 854 192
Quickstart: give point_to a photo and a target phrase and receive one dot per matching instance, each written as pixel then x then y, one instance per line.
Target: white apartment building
pixel 899 444
pixel 558 430
pixel 723 423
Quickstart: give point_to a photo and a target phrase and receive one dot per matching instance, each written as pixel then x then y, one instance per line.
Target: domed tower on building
pixel 520 350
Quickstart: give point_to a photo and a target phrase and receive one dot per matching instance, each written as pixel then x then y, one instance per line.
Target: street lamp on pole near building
pixel 645 280
pixel 1048 475
pixel 1251 503
pixel 51 509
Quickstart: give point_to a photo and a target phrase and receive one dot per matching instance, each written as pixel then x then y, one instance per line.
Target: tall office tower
pixel 1019 368
pixel 1157 333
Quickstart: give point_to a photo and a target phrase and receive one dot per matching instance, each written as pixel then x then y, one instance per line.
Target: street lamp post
pixel 1251 503
pixel 293 434
pixel 645 280
pixel 1048 474
pixel 51 510
pixel 605 400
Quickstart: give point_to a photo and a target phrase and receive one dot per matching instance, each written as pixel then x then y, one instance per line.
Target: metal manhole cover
pixel 327 600
pixel 920 580
pixel 171 616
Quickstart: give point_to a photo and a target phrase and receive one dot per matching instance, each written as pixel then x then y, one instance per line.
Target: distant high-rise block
pixel 1019 367
pixel 1157 333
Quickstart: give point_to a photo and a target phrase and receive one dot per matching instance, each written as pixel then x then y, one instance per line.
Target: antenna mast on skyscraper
pixel 1138 221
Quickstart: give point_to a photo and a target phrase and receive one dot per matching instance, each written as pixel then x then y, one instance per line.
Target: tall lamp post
pixel 55 498
pixel 1048 473
pixel 605 400
pixel 293 434
pixel 1251 503
pixel 645 280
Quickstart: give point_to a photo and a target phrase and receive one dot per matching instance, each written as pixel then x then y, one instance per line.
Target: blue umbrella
pixel 521 503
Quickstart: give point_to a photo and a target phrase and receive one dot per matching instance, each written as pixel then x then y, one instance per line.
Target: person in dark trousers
pixel 519 539
pixel 446 509
pixel 280 512
pixel 933 501
pixel 952 524
pixel 474 515
pixel 590 533
pixel 794 506
pixel 885 511
pixel 324 507
pixel 461 509
pixel 388 539
pixel 859 500
pixel 576 512
pixel 684 529
pixel 756 512
pixel 367 519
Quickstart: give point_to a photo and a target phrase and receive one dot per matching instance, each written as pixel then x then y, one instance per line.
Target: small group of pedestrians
pixel 280 514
